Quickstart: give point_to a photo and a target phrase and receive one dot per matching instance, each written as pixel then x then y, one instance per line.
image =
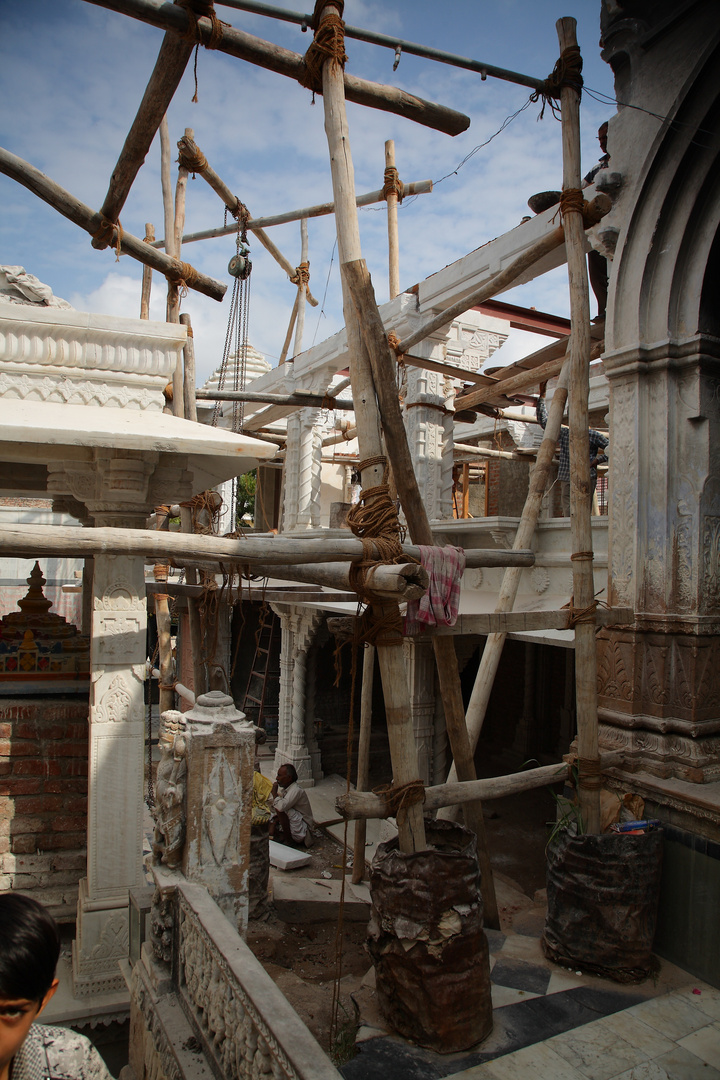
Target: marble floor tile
pixel 597 1052
pixel 646 1070
pixel 475 1072
pixel 495 939
pixel 704 1043
pixel 524 948
pixel 638 1034
pixel 561 980
pixel 681 1064
pixel 670 1015
pixel 509 971
pixel 707 1001
pixel 508 995
pixel 539 1062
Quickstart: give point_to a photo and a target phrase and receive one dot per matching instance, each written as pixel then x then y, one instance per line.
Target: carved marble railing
pixel 202 1005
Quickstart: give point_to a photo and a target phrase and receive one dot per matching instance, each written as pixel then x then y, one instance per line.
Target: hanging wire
pixel 322 305
pixel 236 335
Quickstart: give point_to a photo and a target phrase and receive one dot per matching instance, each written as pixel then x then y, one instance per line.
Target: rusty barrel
pixel 427 942
pixel 603 894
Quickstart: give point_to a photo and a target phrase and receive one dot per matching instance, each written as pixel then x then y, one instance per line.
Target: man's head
pixel 602 136
pixel 286 775
pixel 29 950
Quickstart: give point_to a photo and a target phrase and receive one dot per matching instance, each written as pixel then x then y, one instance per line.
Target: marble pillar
pixel 659 679
pixel 295 728
pixel 116 760
pixel 303 469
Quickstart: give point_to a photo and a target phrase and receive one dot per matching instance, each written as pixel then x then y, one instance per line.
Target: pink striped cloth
pixel 439 605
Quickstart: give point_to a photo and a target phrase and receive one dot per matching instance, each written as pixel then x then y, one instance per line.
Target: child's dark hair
pixel 29 948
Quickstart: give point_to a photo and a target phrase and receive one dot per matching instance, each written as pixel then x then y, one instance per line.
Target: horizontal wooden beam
pixel 516 622
pixel 70 207
pixel 365 804
pixel 416 187
pixel 302 401
pixel 256 593
pixel 284 62
pixel 265 548
pixel 450 370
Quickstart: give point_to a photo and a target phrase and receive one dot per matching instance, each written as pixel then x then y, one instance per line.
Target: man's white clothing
pixel 295 803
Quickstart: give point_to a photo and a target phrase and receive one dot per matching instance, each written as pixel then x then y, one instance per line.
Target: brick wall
pixel 43 799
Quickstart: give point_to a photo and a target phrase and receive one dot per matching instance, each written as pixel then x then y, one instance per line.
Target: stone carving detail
pixel 115 705
pixel 162 922
pixel 614 681
pixel 221 811
pixel 623 504
pixel 710 597
pixel 78 393
pixel 170 789
pixel 539 579
pixel 235 1034
pixel 113 944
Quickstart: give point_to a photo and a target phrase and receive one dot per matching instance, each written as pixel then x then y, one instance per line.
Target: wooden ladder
pixel 261 703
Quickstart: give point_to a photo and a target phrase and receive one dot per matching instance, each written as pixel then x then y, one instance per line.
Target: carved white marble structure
pixel 296 737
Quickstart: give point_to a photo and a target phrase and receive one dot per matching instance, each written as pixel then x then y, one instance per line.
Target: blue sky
pixel 72 76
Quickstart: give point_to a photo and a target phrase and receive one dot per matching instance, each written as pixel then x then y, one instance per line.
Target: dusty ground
pixel 301 958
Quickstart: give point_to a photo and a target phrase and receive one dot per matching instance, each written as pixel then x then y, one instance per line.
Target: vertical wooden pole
pixel 403 751
pixel 466 490
pixel 163 624
pixel 580 499
pixel 383 370
pixel 392 224
pixel 363 769
pixel 291 327
pixel 172 311
pixel 147 276
pixel 199 680
pixel 189 399
pixel 302 289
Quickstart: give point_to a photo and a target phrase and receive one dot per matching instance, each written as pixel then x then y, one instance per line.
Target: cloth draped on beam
pixel 439 605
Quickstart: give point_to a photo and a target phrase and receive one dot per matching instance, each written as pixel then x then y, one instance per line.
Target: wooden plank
pixel 146 276
pixel 172 60
pixel 516 622
pixel 301 401
pixel 266 55
pixel 451 370
pixel 76 211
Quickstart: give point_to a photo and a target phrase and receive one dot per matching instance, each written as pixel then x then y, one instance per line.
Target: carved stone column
pixel 298 629
pixel 303 467
pixel 429 427
pixel 659 680
pixel 220 755
pixel 115 799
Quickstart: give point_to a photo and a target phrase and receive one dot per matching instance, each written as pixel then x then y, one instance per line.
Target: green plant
pixel 343 1047
pixel 246 486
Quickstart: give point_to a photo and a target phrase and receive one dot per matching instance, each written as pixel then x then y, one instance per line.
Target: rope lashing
pixel 196 10
pixel 183 275
pixel 399 798
pixel 328 44
pixel 567 72
pixel 242 214
pixel 302 274
pixel 392 184
pixel 109 233
pixel 194 161
pixel 582 556
pixel 590 773
pixel 580 615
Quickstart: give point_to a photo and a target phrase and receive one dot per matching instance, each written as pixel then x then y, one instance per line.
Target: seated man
pixel 29 950
pixel 293 814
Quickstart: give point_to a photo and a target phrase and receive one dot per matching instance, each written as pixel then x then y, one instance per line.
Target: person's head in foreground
pixel 29 950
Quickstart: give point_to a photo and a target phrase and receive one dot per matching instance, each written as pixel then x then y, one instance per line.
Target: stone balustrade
pixel 202 1005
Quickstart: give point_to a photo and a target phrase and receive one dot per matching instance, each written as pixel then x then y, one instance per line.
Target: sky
pixel 72 76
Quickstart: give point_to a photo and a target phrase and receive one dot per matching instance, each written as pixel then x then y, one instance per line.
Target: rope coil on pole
pixel 193 161
pixel 109 233
pixel 328 44
pixel 398 799
pixel 392 184
pixel 567 72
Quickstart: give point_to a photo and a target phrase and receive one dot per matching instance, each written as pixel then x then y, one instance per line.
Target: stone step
pixel 287 858
pixel 309 900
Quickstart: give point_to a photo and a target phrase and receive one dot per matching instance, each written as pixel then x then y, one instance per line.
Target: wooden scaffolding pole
pixel 383 369
pixel 490 660
pixel 146 276
pixel 303 292
pixel 403 751
pixel 392 184
pixel 193 159
pixel 76 211
pixel 174 54
pixel 363 768
pixel 228 39
pixel 589 781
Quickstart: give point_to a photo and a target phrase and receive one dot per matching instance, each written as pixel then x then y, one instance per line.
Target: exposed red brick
pixel 33 767
pixel 67 822
pixel 75 784
pixel 20 748
pixel 4 845
pixel 20 787
pixel 76 804
pixel 26 823
pixel 23 845
pixel 38 804
pixel 5 731
pixel 70 748
pixel 59 840
pixel 73 766
pixel 5 768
